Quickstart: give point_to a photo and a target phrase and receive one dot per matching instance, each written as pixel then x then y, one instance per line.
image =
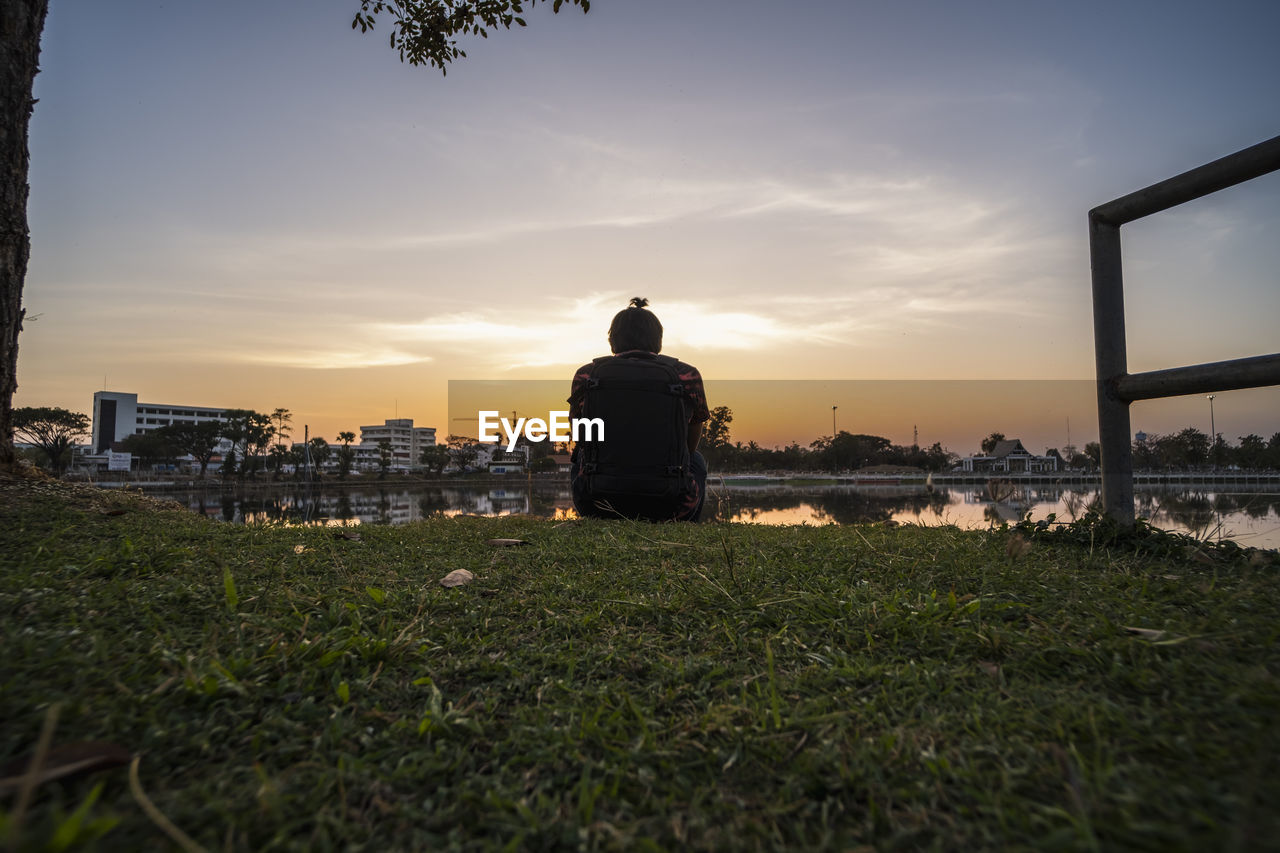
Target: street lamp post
pixel 835 460
pixel 1213 432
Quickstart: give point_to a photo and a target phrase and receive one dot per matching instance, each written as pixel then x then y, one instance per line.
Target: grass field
pixel 611 685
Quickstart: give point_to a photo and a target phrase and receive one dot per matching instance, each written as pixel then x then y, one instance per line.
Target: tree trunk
pixel 21 22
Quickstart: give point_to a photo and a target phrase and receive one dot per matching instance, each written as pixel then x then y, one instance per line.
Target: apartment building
pixel 117 415
pixel 407 441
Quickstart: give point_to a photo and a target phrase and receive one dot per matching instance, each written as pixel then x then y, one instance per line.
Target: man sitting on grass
pixel 652 406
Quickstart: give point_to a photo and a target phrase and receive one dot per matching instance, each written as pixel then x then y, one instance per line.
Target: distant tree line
pixel 1192 448
pixel 843 451
pixel 258 443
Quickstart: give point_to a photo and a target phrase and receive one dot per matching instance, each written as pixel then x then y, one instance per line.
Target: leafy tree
pixel 228 467
pixel 422 31
pixel 715 437
pixel 462 451
pixel 847 450
pixel 235 429
pixel 860 451
pixel 989 443
pixel 52 429
pixel 1186 449
pixel 261 432
pixel 1219 452
pixel 1144 452
pixel 435 458
pixel 1093 450
pixel 250 434
pixel 938 458
pixel 197 440
pixel 717 430
pixel 151 447
pixel 1252 452
pixel 384 457
pixel 542 466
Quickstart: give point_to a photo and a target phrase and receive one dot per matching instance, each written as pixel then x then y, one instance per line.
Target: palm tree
pixel 319 452
pixel 346 454
pixel 277 456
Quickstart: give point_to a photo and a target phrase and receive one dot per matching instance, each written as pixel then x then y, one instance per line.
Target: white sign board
pixel 119 461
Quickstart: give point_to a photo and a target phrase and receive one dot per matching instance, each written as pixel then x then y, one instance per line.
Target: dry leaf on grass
pixel 300 549
pixel 457 577
pixel 506 543
pixel 1258 559
pixel 1196 555
pixel 62 761
pixel 350 535
pixel 1018 546
pixel 991 669
pixel 1150 634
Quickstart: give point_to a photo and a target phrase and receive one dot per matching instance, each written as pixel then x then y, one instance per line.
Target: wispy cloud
pixel 346 357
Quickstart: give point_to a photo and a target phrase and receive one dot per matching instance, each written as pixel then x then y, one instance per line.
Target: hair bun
pixel 639 302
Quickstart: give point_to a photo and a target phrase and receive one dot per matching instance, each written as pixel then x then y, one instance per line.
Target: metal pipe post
pixel 1253 372
pixel 1111 357
pixel 1245 165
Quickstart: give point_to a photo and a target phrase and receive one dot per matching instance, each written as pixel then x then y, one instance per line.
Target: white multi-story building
pixel 407 441
pixel 117 415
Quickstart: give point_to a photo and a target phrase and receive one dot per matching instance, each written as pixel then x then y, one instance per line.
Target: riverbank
pixel 617 685
pixel 1267 479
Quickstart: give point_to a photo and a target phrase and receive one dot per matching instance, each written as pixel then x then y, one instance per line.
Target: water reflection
pixel 1252 519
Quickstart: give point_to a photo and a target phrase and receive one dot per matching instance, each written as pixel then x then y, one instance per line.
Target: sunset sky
pixel 244 203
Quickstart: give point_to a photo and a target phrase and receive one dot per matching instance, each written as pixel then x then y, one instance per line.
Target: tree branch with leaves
pixel 424 32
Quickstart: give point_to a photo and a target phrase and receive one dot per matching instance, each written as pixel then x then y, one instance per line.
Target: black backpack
pixel 641 468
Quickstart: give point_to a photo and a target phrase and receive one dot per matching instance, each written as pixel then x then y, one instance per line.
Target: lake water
pixel 1250 518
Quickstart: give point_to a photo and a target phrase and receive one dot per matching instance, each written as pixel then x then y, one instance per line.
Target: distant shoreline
pixel 779 478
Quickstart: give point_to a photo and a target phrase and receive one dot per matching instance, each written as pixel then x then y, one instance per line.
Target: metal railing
pixel 1117 388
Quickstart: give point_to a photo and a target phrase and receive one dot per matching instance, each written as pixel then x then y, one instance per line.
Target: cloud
pixel 558 334
pixel 347 358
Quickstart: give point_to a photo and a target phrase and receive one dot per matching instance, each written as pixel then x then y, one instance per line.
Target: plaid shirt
pixel 695 394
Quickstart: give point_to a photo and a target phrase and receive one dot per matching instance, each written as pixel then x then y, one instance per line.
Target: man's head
pixel 635 328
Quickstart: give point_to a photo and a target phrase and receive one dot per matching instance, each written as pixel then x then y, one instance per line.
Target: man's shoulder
pixel 686 370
